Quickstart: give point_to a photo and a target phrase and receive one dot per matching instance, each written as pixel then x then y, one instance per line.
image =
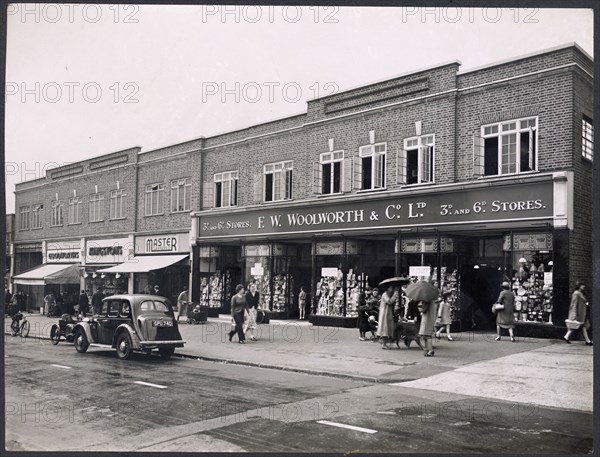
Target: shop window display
pixel 531 280
pixel 211 290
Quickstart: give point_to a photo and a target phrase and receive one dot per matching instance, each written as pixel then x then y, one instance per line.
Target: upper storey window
pixel 506 148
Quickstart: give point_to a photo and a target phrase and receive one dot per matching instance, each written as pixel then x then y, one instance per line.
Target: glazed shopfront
pixel 468 237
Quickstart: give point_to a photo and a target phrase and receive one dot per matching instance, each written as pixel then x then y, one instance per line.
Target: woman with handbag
pixel 504 309
pixel 577 314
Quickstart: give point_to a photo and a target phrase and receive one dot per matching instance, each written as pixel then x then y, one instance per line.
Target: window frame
pixel 503 129
pixel 57 217
pixel 331 158
pixel 117 204
pixel 282 173
pixel 96 206
pixel 74 210
pixel 219 180
pixel 152 196
pixel 419 143
pixel 369 151
pixel 36 216
pixel 24 218
pixel 587 142
pixel 181 188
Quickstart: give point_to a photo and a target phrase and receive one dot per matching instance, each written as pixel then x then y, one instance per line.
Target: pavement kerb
pixel 266 366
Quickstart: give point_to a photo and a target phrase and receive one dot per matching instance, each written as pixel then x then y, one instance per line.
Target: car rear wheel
pixel 124 346
pixel 81 342
pixel 55 334
pixel 166 353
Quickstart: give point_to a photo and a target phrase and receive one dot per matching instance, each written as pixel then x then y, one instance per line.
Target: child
pixel 302 302
pixel 443 318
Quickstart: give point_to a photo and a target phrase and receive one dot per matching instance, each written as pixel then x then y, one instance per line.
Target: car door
pixel 100 323
pixel 113 320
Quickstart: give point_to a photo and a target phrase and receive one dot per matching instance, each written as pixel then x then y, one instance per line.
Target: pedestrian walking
pixel 364 307
pixel 238 308
pixel 97 300
pixel 49 304
pixel 252 300
pixel 578 318
pixel 385 325
pixel 60 303
pixel 429 312
pixel 182 303
pixel 7 297
pixel 84 303
pixel 444 320
pixel 505 306
pixel 302 302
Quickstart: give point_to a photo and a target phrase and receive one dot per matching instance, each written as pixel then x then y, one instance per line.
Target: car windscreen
pixel 154 306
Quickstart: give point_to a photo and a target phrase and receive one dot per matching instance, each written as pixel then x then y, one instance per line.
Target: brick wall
pixel 85 177
pixel 163 166
pixel 580 253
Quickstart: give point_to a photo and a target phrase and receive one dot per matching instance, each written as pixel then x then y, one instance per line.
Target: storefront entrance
pixel 479 291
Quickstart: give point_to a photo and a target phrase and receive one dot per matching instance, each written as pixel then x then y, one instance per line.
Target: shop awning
pixel 49 274
pixel 144 264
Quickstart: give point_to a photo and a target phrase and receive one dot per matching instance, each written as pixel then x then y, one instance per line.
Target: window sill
pixel 421 184
pixel 154 215
pixel 364 191
pixel 276 201
pixel 524 173
pixel 74 223
pixel 117 218
pixel 95 222
pixel 587 160
pixel 183 211
pixel 37 228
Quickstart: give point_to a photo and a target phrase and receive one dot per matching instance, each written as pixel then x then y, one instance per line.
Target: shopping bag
pixel 232 325
pixel 497 307
pixel 572 324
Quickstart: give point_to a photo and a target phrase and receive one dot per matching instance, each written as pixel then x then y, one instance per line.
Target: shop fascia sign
pixel 116 250
pixel 63 252
pixel 530 201
pixel 162 244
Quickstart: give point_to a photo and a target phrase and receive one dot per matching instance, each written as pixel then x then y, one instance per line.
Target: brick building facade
pixel 464 174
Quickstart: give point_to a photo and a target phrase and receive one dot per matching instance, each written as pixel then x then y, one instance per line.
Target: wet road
pixel 58 400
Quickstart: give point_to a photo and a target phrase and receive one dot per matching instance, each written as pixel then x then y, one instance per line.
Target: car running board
pixel 98 345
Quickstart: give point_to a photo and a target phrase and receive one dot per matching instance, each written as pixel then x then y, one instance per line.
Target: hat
pixel 506 285
pixel 522 260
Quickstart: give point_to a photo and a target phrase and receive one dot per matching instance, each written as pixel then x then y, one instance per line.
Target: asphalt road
pixel 58 400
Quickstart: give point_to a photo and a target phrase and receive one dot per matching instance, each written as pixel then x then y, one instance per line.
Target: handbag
pixel 497 307
pixel 232 325
pixel 573 324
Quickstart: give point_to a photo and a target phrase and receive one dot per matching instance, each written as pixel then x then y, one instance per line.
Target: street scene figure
pixel 302 303
pixel 97 300
pixel 238 308
pixel 444 319
pixel 505 317
pixel 49 304
pixel 83 303
pixel 252 300
pixel 182 303
pixel 385 327
pixel 578 314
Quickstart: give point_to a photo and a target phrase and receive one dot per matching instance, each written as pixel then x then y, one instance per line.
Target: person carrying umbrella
pixel 427 295
pixel 385 327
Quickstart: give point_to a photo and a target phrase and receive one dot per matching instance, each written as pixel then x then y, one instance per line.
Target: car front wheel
pixel 166 353
pixel 81 342
pixel 124 347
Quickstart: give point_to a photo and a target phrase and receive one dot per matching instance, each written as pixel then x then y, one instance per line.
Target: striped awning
pixel 49 274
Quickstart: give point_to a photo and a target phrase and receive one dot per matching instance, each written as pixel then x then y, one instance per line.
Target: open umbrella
pixel 422 291
pixel 398 280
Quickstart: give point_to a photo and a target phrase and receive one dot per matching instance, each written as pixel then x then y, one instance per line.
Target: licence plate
pixel 162 323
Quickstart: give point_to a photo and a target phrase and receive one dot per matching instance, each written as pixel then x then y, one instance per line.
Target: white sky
pixel 162 70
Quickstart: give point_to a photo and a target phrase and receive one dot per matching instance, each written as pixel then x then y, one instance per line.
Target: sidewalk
pixel 533 371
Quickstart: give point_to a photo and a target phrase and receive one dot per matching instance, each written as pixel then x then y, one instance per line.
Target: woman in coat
pixel 505 318
pixel 385 327
pixel 428 317
pixel 444 319
pixel 577 312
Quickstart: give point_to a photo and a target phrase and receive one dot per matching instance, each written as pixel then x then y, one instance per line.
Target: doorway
pixel 480 289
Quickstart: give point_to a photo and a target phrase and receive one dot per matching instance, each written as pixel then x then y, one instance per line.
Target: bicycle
pixel 20 325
